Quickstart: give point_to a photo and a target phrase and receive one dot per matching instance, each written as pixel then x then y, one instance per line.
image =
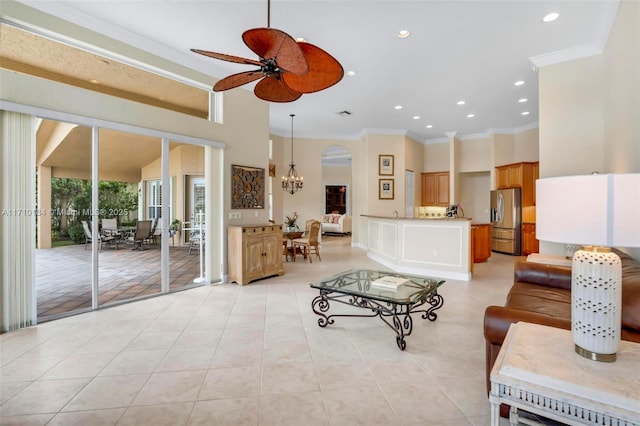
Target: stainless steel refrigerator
pixel 506 221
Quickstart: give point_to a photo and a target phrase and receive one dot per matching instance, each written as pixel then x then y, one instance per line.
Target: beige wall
pixel 414 161
pixel 474 155
pixel 436 157
pixel 622 91
pixel 386 145
pixel 589 109
pixel 526 145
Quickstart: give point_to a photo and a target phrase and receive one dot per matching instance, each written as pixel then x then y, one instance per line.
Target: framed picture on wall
pixel 385 165
pixel 385 189
pixel 247 187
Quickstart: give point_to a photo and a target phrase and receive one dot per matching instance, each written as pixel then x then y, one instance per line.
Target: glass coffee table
pixel 394 307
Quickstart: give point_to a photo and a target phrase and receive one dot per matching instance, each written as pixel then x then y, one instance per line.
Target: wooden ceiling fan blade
pixel 269 43
pixel 236 80
pixel 228 58
pixel 324 71
pixel 273 89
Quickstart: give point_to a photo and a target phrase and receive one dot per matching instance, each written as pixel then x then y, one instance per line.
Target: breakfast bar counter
pixel 434 247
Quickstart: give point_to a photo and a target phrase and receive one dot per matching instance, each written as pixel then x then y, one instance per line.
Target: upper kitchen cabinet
pixel 519 175
pixel 435 189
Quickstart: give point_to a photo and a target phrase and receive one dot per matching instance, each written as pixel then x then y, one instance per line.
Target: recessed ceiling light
pixel 351 73
pixel 551 17
pixel 429 126
pixel 397 107
pixel 403 33
pixel 470 115
pixel 94 81
pixel 521 100
pixel 525 113
pixel 416 117
pixel 461 102
pixel 301 40
pixel 518 83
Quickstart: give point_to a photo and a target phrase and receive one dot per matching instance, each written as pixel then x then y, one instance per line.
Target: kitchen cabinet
pixel 481 242
pixel 254 252
pixel 529 242
pixel 435 189
pixel 519 175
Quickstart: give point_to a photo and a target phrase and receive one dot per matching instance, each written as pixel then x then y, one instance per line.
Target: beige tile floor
pixel 254 355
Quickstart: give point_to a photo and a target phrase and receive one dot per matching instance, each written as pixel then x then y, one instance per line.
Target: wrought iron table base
pixel 396 315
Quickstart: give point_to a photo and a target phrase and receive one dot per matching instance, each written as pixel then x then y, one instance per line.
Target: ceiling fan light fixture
pixel 287 68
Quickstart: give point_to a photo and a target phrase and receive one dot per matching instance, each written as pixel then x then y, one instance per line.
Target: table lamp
pixel 597 211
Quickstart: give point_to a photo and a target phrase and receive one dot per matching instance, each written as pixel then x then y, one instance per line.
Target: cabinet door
pixel 529 242
pixel 254 257
pixel 429 188
pixel 502 177
pixel 272 254
pixel 481 243
pixel 443 189
pixel 514 176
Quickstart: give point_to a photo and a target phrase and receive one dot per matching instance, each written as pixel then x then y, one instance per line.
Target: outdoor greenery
pixel 71 204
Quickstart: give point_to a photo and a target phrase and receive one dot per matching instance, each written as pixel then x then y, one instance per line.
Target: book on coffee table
pixel 389 282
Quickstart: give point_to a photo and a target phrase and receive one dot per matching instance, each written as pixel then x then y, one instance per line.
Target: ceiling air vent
pixel 344 113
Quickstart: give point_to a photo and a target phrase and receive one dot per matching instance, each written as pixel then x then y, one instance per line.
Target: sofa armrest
pixel 541 274
pixel 497 320
pixel 346 224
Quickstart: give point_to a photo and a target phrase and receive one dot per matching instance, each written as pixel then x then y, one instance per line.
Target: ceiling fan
pixel 288 68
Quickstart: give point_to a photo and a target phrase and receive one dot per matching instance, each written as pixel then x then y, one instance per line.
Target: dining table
pixel 292 235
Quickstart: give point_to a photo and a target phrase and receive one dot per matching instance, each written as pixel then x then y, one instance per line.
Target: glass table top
pixel 357 282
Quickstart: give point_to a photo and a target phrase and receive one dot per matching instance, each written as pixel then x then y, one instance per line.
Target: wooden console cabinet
pixel 254 252
pixel 435 189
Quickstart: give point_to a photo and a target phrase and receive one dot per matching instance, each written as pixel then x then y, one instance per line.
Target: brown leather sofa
pixel 541 294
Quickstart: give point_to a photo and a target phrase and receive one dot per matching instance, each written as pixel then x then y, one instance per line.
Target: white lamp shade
pixel 590 210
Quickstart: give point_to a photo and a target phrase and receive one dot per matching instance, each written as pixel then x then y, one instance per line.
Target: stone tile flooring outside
pixel 63 275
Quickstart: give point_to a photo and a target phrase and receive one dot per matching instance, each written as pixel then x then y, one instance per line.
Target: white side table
pixel 549 259
pixel 538 370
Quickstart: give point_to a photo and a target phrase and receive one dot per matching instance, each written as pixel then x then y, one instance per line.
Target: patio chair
pixel 152 234
pixel 309 241
pixel 143 228
pixel 110 228
pixel 194 241
pixel 88 237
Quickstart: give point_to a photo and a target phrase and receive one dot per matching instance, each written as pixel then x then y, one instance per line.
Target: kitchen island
pixel 432 247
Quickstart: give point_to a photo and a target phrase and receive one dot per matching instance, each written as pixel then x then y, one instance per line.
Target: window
pixel 154 199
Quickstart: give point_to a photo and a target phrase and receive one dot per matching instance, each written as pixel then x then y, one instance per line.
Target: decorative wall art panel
pixel 247 187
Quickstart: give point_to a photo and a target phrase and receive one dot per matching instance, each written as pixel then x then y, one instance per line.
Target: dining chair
pixel 308 241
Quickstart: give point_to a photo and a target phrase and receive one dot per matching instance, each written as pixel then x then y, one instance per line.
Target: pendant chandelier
pixel 292 183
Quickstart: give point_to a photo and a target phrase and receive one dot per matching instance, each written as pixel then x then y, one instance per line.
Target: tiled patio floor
pixel 63 276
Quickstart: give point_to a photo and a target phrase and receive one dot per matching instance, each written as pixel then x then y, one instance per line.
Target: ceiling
pixel 458 50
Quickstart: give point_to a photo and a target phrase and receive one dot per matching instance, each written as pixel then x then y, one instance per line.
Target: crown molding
pixel 596 47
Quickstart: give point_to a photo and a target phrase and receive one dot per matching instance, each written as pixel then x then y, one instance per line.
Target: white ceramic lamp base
pixel 596 300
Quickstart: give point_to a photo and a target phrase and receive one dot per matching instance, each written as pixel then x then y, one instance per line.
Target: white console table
pixel 538 371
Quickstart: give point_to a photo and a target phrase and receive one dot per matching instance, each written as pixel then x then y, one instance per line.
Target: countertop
pixel 418 218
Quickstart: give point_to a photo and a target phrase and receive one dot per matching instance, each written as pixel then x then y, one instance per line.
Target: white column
pixel 17 221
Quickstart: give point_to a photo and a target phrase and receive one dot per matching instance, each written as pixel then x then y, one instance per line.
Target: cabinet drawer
pixel 503 234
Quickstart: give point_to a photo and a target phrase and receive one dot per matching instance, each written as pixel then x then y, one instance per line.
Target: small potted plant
pixel 173 228
pixel 290 221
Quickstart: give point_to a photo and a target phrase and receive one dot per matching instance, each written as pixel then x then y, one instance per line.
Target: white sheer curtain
pixel 17 221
